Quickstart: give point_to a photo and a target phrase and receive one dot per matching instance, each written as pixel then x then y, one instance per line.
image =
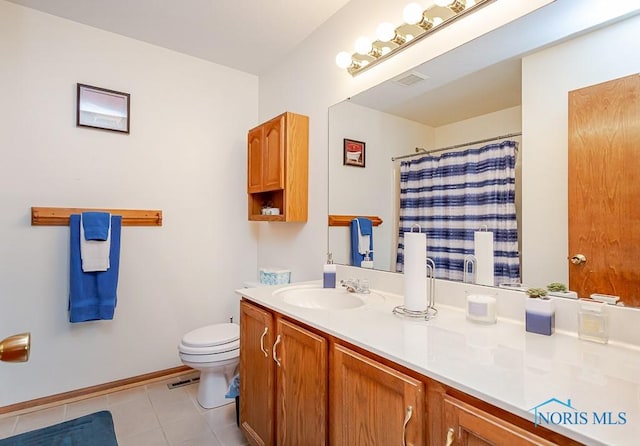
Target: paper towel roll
pixel 415 271
pixel 483 247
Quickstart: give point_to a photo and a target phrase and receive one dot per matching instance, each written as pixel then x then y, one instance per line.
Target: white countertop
pixel 501 363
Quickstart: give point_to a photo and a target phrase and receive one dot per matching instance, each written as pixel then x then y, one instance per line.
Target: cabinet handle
pixel 266 353
pixel 275 344
pixel 450 436
pixel 404 426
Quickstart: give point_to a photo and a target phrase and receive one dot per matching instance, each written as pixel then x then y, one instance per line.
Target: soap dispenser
pixel 329 273
pixel 367 262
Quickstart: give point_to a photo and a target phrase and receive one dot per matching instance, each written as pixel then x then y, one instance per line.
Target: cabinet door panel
pixel 369 403
pixel 474 427
pixel 274 145
pixel 255 159
pixel 257 375
pixel 301 388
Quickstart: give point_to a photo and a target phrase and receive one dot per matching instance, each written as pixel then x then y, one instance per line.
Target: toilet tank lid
pixel 212 335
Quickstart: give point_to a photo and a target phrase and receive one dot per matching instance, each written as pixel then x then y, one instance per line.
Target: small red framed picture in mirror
pixel 354 153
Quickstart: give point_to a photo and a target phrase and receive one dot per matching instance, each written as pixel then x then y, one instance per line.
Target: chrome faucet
pixel 356 286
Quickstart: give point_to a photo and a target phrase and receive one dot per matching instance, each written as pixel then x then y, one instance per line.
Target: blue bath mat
pixel 91 430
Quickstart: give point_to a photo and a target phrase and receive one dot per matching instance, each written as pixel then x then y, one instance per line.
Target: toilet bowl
pixel 214 350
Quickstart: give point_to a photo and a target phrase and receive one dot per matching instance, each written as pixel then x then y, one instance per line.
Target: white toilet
pixel 214 350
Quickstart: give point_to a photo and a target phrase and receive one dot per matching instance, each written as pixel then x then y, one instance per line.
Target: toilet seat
pixel 211 350
pixel 211 335
pixel 211 340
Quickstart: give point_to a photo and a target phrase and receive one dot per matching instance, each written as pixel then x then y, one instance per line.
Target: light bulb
pixel 385 32
pixel 343 59
pixel 412 13
pixel 442 3
pixel 363 45
pixel 470 3
pixel 437 21
pixel 385 50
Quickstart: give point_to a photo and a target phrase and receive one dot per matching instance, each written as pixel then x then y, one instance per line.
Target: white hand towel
pixel 95 253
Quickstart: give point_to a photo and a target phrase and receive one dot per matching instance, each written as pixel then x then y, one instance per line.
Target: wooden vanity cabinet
pixel 467 425
pixel 257 375
pixel 299 386
pixel 277 168
pixel 372 404
pixel 283 381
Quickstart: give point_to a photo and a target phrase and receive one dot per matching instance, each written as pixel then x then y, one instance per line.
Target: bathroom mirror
pixel 480 90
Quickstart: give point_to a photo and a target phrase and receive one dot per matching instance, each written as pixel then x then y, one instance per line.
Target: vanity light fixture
pixel 418 23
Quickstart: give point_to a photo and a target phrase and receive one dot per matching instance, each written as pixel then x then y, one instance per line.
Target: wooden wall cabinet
pixel 278 168
pixel 283 381
pixel 372 404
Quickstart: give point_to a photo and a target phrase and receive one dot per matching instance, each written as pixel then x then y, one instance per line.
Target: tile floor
pixel 147 415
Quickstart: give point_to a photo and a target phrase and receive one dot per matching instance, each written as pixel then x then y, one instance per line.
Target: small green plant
pixel 556 287
pixel 536 292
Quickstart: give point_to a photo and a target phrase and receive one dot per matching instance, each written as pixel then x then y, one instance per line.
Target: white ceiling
pixel 226 32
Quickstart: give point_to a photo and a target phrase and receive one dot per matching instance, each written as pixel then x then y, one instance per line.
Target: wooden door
pixel 469 426
pixel 301 386
pixel 370 401
pixel 604 188
pixel 274 145
pixel 257 375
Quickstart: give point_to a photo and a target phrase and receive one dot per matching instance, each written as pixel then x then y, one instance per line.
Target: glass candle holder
pixel 593 321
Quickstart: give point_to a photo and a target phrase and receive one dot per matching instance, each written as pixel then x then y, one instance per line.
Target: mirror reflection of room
pixel 523 93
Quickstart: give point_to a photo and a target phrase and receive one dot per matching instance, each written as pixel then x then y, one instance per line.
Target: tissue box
pixel 274 276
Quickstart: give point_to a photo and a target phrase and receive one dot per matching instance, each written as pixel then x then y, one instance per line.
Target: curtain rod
pixel 422 151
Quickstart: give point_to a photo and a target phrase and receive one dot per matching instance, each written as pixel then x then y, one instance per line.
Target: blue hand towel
pixel 92 295
pixel 96 225
pixel 365 228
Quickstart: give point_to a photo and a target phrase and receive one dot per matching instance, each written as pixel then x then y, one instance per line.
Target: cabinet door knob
pixel 450 436
pixel 407 417
pixel 266 353
pixel 275 344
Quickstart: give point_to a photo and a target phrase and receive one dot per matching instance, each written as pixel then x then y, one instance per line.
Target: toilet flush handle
pixel 266 353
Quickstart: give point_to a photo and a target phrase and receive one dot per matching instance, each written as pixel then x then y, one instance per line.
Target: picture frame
pixel 101 108
pixel 353 153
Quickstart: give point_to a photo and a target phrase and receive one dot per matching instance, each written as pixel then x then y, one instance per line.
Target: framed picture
pixel 353 153
pixel 102 109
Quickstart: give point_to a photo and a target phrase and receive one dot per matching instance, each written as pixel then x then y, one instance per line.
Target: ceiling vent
pixel 410 78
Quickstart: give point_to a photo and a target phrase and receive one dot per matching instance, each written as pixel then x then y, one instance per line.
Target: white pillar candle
pixel 483 251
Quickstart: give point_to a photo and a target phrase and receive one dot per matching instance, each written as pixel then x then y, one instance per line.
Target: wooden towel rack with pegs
pixel 49 216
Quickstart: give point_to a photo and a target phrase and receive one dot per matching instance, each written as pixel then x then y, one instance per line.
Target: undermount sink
pixel 314 297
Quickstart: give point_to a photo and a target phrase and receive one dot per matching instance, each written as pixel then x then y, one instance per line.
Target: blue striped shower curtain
pixel 454 194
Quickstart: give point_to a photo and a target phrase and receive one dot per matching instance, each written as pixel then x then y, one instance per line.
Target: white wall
pixel 186 155
pixel 490 125
pixel 548 76
pixel 369 190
